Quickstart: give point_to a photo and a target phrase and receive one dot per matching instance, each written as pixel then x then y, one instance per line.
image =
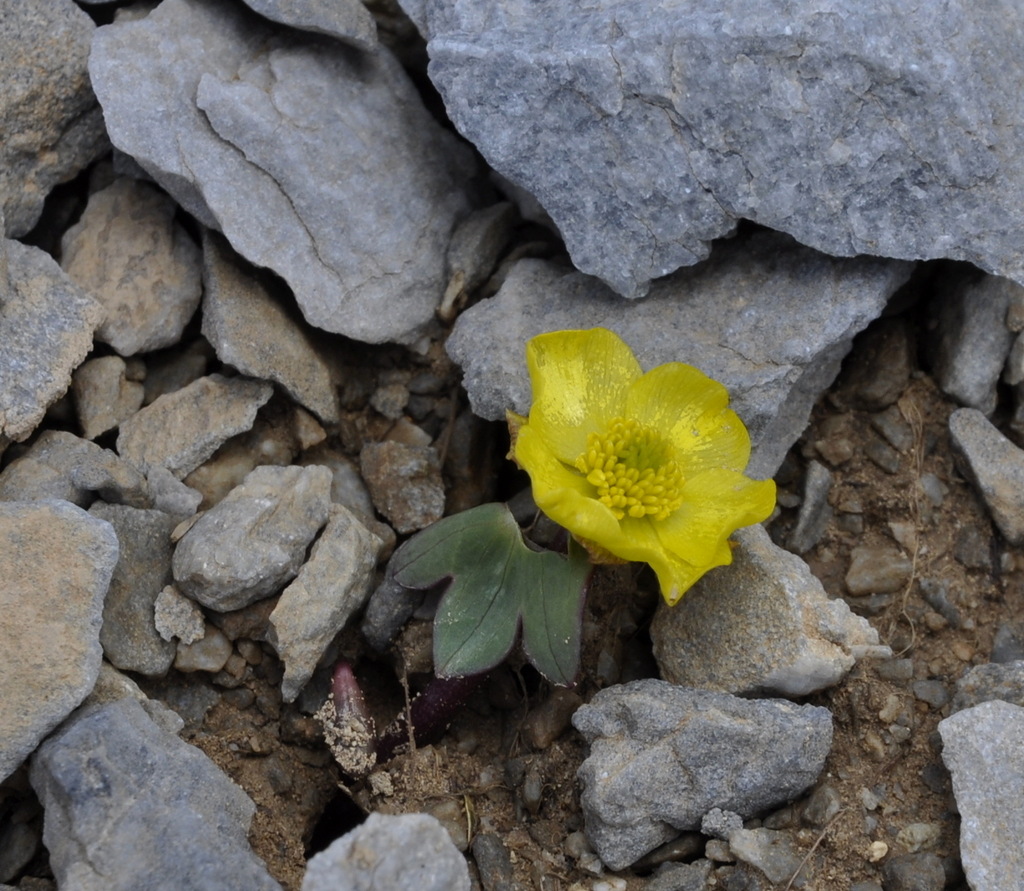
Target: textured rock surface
pixel 104 396
pixel 254 541
pixel 55 562
pixel 662 756
pixel 992 681
pixel 332 585
pixel 404 482
pixel 250 330
pixel 129 253
pixel 983 747
pixel 646 132
pixel 46 328
pixel 315 160
pixel 740 317
pixel 388 852
pixel 762 625
pixel 348 20
pixel 180 430
pixel 995 466
pixel 129 636
pixel 51 122
pixel 129 805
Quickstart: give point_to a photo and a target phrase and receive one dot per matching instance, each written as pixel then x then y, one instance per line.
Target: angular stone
pixel 251 331
pixel 877 569
pixel 56 562
pixel 330 588
pixel 180 430
pixel 388 852
pixel 972 340
pixel 994 466
pixel 815 511
pixel 46 327
pixel 104 397
pixel 314 160
pixel 60 465
pixel 646 133
pixel 740 317
pixel 662 756
pixel 52 124
pixel 762 625
pixel 404 482
pixel 993 681
pixel 129 252
pixel 128 805
pixel 347 20
pixel 176 617
pixel 129 636
pixel 983 747
pixel 879 369
pixel 253 542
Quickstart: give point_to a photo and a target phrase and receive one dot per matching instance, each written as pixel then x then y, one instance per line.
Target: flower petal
pixel 580 380
pixel 561 492
pixel 715 504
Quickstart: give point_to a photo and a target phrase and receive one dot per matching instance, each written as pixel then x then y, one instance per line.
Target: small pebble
pixel 934 489
pixel 549 720
pixel 918 836
pixel 877 570
pixel 822 807
pixel 914 872
pixel 493 862
pixel 877 850
pixel 931 691
pixel 895 669
pixel 209 654
pixel 884 455
pixel 893 426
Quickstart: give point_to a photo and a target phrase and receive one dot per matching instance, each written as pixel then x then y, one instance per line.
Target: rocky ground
pixel 251 343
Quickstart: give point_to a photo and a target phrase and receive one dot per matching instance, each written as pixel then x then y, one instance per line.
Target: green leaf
pixel 497 584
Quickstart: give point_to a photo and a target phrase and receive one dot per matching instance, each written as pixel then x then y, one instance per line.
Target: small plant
pixel 635 466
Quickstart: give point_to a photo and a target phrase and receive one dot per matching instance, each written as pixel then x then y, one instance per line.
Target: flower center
pixel 631 467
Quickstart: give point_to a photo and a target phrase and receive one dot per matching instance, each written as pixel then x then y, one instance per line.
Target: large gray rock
pixel 46 328
pixel 128 805
pixel 56 562
pixel 662 756
pixel 128 251
pixel 347 20
pixel 253 542
pixel 983 747
pixel 762 625
pixel 740 317
pixel 314 159
pixel 52 124
pixel 388 852
pixel 647 129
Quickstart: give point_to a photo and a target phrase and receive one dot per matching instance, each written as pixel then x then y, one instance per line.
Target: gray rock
pixel 473 253
pixel 56 562
pixel 717 823
pixel 914 872
pixel 982 748
pixel 176 617
pixel 972 341
pixel 348 20
pixel 46 327
pixel 180 430
pixel 62 466
pixel 662 756
pixel 128 251
pixel 389 608
pixel 129 805
pixel 877 569
pixel 763 624
pixel 52 125
pixel 681 877
pixel 315 160
pixel 129 636
pixel 815 511
pixel 1008 643
pixel 388 852
pixel 740 317
pixel 879 369
pixel 209 653
pixel 986 683
pixel 404 482
pixel 104 397
pixel 254 541
pixel 773 852
pixel 645 133
pixel 331 586
pixel 994 466
pixel 251 331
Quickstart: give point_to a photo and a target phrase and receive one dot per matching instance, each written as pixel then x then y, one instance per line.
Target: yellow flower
pixel 644 467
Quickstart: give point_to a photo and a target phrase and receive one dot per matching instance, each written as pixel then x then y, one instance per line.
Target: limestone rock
pixel 52 124
pixel 128 251
pixel 253 542
pixel 315 160
pixel 128 805
pixel 646 132
pixel 180 430
pixel 251 331
pixel 330 588
pixel 404 482
pixel 56 562
pixel 347 20
pixel 46 327
pixel 104 397
pixel 762 625
pixel 741 317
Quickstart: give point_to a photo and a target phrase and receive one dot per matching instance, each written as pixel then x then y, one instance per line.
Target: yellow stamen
pixel 632 468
